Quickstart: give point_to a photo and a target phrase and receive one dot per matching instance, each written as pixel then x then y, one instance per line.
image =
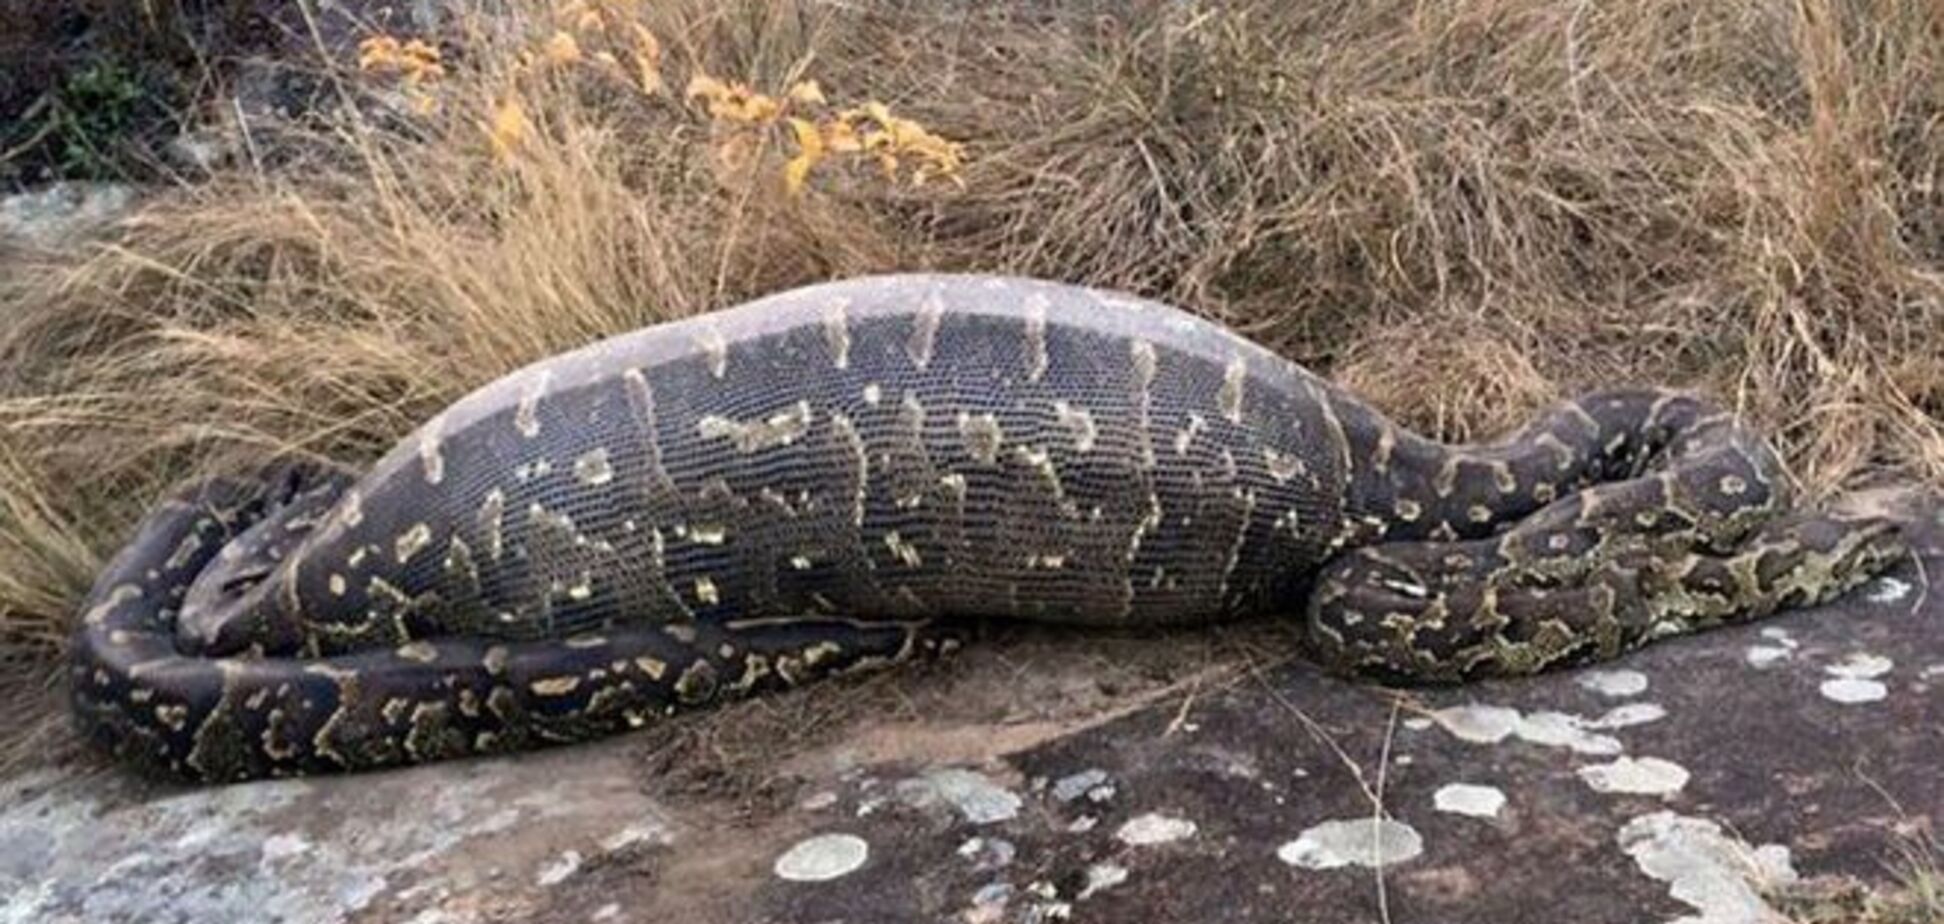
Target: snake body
pixel 818 481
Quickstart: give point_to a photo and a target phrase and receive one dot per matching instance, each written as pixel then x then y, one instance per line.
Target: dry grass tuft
pixel 1464 209
pixel 1461 375
pixel 1915 894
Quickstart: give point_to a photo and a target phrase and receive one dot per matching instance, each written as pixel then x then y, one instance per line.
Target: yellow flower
pixel 562 49
pixel 417 51
pixel 734 102
pixel 893 136
pixel 417 61
pixel 810 150
pixel 807 92
pixel 377 52
pixel 705 86
pixel 841 136
pixel 508 129
pixel 743 119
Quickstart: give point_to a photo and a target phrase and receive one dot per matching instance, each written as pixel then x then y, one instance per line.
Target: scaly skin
pixel 820 480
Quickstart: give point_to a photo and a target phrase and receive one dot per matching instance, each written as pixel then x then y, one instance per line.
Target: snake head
pixel 227 612
pixel 233 605
pixel 1383 612
pixel 1812 558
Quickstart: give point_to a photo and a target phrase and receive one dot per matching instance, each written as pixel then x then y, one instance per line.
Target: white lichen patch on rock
pixel 1853 680
pixel 279 846
pixel 1637 776
pixel 989 903
pixel 1368 842
pixel 1851 691
pixel 1717 875
pixel 1045 904
pixel 1101 876
pixel 822 858
pixel 1779 647
pixel 1861 665
pixel 1618 684
pixel 63 211
pixel 1478 724
pixel 988 852
pixel 1767 655
pixel 557 872
pixel 1558 729
pixel 976 797
pixel 1469 799
pixel 1154 828
pixel 326 849
pixel 1075 785
pixel 1482 724
pixel 1887 590
pixel 1628 716
pixel 639 833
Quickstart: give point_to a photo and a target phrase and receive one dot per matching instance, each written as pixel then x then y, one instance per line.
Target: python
pixel 832 478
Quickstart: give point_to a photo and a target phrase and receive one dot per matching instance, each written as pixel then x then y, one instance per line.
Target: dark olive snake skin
pixel 820 480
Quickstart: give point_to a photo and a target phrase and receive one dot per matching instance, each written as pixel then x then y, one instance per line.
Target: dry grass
pixel 1914 895
pixel 1462 209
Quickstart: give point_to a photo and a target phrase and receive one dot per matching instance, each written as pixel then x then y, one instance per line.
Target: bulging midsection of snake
pixel 900 449
pixel 917 448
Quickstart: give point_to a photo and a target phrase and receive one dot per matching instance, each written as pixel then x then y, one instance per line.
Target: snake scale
pixel 829 478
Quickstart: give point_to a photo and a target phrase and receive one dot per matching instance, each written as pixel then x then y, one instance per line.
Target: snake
pixel 842 476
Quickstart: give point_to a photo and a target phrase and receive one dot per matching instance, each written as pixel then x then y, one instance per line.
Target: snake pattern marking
pixel 827 479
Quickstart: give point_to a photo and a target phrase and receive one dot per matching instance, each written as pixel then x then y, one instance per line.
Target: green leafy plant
pixel 94 110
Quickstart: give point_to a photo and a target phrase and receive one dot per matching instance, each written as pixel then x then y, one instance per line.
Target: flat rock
pixel 1716 765
pixel 59 213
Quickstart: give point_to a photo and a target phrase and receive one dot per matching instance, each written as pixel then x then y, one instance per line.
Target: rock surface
pixel 60 213
pixel 1670 786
